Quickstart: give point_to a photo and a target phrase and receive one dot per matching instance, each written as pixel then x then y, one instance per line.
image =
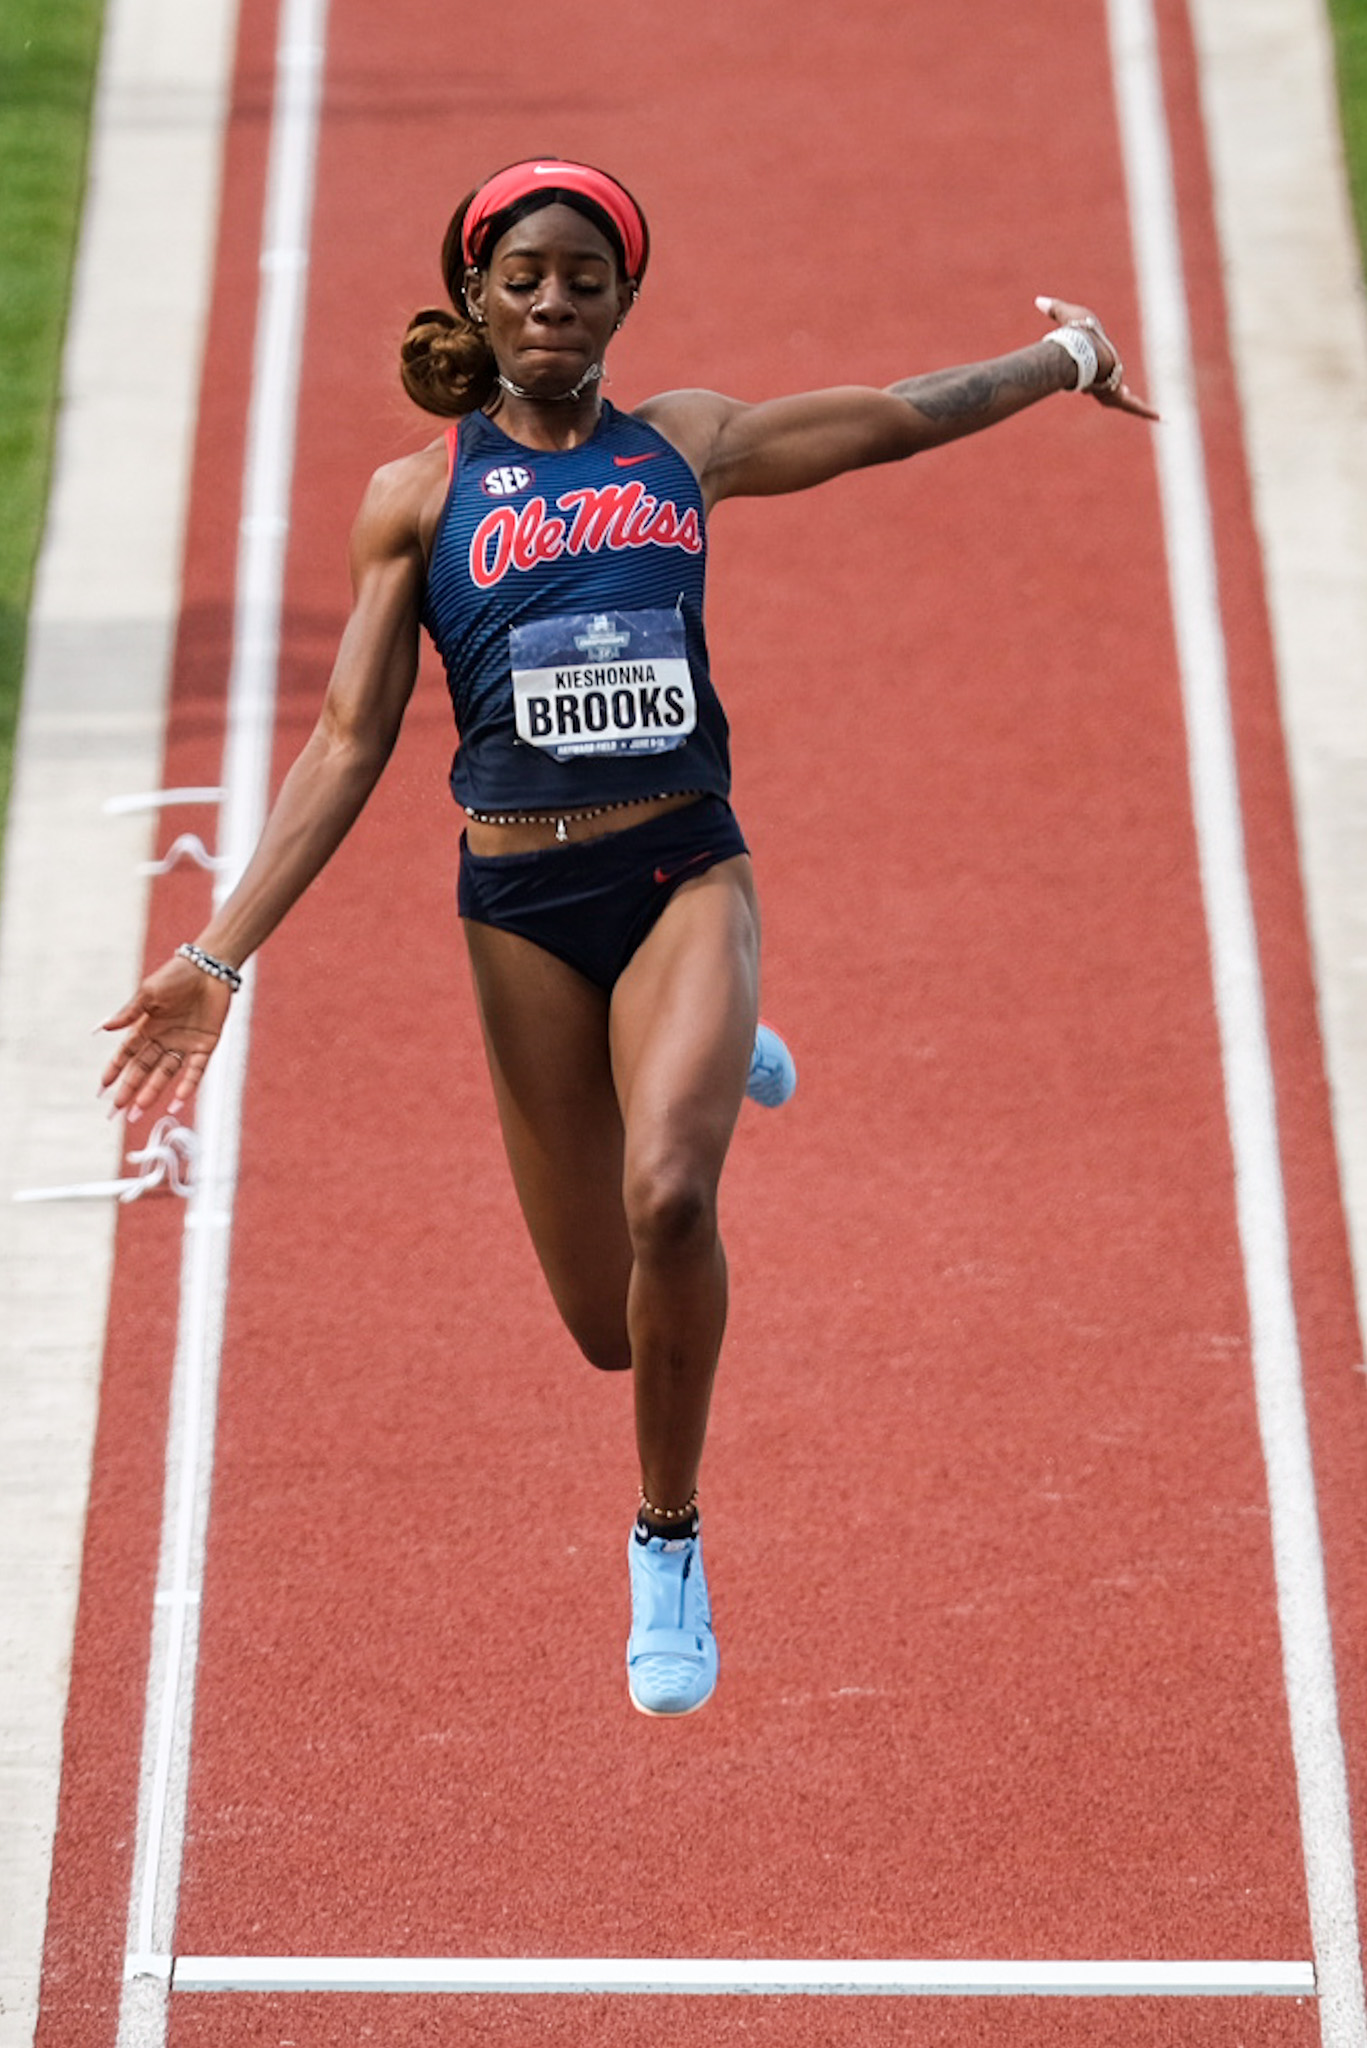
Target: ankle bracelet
pixel 683 1514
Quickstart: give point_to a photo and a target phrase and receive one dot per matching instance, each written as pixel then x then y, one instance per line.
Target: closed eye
pixel 588 287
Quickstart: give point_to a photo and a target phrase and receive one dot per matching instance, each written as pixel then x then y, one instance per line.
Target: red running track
pixel 987 1515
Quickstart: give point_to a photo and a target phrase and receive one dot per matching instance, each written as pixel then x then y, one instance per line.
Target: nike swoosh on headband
pixel 517 181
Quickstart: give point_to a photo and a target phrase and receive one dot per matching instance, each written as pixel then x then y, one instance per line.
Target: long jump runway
pixel 1026 1729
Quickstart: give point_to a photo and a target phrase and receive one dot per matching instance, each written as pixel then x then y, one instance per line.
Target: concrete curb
pixel 1298 319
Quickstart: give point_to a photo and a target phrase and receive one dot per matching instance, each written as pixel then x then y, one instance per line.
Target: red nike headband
pixel 523 181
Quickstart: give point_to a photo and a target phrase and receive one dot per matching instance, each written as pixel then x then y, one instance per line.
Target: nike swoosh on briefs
pixel 626 461
pixel 663 875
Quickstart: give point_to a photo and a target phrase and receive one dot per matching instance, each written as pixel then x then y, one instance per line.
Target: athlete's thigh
pixel 683 1023
pixel 546 1037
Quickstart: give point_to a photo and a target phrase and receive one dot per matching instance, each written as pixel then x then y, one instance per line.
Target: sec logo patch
pixel 506 481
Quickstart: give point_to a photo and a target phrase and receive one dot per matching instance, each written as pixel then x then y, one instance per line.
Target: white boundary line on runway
pixel 1302 1603
pixel 271 435
pixel 1302 1600
pixel 520 1975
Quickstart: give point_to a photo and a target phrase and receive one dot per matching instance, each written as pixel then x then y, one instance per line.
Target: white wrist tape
pixel 1078 344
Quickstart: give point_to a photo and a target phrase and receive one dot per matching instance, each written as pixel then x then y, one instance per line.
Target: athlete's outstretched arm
pixel 789 444
pixel 174 1018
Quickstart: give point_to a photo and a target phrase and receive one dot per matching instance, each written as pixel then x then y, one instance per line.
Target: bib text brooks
pixel 602 683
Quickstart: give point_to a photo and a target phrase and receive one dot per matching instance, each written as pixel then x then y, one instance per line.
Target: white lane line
pixel 204 1264
pixel 703 1978
pixel 1302 1604
pixel 72 916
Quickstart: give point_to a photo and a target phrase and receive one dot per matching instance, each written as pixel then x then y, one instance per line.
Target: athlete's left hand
pixel 1064 313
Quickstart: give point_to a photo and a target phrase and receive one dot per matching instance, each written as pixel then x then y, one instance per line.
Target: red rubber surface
pixel 987 1520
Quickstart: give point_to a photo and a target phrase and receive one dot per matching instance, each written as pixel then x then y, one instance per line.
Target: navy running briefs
pixel 593 902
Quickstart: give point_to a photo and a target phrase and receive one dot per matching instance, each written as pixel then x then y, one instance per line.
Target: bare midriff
pixel 528 833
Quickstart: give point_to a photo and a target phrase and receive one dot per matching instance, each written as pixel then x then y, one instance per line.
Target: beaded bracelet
pixel 207 964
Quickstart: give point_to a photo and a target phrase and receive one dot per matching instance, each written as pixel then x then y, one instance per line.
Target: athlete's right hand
pixel 173 1022
pixel 1065 313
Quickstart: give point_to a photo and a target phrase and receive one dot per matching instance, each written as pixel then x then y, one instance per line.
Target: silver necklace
pixel 590 376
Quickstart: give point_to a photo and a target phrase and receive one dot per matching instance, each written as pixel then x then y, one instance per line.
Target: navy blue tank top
pixel 565 597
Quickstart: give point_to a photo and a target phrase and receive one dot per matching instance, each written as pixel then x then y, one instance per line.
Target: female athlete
pixel 554 548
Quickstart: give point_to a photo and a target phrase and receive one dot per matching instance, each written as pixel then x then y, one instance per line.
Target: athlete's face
pixel 551 299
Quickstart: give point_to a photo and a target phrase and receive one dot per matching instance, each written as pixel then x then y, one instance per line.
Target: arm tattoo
pixel 978 391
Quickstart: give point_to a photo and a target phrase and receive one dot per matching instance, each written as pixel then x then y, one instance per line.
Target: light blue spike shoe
pixel 671 1651
pixel 773 1075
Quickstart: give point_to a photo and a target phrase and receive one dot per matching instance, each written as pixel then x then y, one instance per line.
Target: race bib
pixel 603 683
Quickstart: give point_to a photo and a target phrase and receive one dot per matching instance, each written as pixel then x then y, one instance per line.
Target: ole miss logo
pixel 506 481
pixel 614 516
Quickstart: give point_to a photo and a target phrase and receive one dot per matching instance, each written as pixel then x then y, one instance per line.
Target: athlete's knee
pixel 671 1207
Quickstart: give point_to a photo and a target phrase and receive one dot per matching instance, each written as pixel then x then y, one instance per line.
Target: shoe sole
pixel 669 1713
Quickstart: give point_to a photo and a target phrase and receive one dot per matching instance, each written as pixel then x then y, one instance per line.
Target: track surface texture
pixel 986 1508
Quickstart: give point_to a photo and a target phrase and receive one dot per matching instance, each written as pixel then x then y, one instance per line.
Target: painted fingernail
pixel 135 1115
pixel 1043 303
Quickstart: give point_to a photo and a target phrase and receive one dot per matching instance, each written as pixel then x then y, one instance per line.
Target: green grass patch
pixel 48 53
pixel 1349 18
